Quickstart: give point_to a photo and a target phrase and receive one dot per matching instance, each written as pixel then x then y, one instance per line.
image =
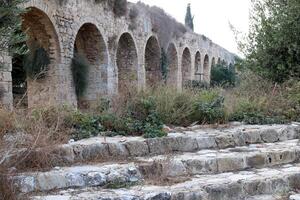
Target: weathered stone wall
pixel 117 49
pixel 6 97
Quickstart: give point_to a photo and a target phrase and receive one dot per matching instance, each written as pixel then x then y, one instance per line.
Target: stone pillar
pixel 6 96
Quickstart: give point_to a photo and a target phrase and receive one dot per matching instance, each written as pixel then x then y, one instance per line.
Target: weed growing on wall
pixel 80 70
pixel 36 63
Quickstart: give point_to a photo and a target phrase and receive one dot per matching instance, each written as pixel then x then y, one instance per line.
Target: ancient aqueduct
pixel 113 48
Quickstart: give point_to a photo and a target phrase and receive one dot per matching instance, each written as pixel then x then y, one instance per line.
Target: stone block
pixel 186 144
pixel 227 164
pixel 137 148
pixel 228 191
pixel 270 135
pixel 257 160
pixel 117 150
pixel 206 142
pixel 197 166
pixel 51 180
pixel 225 141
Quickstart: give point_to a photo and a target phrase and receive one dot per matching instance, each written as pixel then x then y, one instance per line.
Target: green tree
pixel 272 48
pixel 11 36
pixel 223 75
pixel 189 20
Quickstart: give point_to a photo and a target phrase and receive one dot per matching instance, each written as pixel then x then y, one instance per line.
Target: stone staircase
pixel 235 163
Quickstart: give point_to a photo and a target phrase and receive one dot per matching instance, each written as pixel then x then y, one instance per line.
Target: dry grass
pixel 28 139
pixel 270 98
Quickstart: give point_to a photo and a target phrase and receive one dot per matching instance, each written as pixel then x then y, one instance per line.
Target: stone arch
pixel 40 33
pixel 198 62
pixel 89 44
pixel 198 65
pixel 186 65
pixel 223 62
pixel 219 61
pixel 213 62
pixel 127 63
pixel 206 76
pixel 172 59
pixel 152 62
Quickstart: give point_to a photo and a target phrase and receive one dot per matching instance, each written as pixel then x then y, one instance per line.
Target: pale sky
pixel 212 17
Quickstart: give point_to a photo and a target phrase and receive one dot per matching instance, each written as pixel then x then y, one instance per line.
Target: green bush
pixel 146 120
pixel 84 125
pixel 224 76
pixel 250 113
pixel 80 70
pixel 209 108
pixel 196 85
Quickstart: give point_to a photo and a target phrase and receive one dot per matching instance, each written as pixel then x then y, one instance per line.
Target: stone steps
pixel 203 162
pixel 118 148
pixel 78 177
pixel 275 197
pixel 235 163
pixel 226 186
pixel 268 197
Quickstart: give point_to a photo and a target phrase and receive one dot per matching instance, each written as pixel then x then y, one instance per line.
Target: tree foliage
pixel 189 20
pixel 11 36
pixel 222 75
pixel 272 48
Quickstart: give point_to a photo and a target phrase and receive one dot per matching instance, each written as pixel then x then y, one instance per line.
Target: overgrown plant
pixel 222 75
pixel 10 27
pixel 80 70
pixel 36 63
pixel 164 64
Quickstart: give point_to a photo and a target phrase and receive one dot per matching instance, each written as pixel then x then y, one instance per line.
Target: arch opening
pixel 186 66
pixel 154 74
pixel 198 65
pixel 213 62
pixel 219 61
pixel 33 88
pixel 172 60
pixel 127 63
pixel 90 49
pixel 206 76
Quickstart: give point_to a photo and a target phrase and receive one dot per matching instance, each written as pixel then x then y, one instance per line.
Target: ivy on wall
pixel 164 64
pixel 36 63
pixel 80 70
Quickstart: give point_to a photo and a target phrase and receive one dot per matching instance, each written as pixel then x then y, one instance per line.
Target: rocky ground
pixel 235 163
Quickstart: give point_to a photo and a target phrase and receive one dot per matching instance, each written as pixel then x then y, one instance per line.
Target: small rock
pixel 57 168
pixel 132 170
pixel 167 129
pixel 71 141
pixel 295 197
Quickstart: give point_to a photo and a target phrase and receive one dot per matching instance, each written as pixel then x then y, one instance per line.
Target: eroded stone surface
pixel 226 186
pixel 187 141
pixel 188 164
pixel 80 176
